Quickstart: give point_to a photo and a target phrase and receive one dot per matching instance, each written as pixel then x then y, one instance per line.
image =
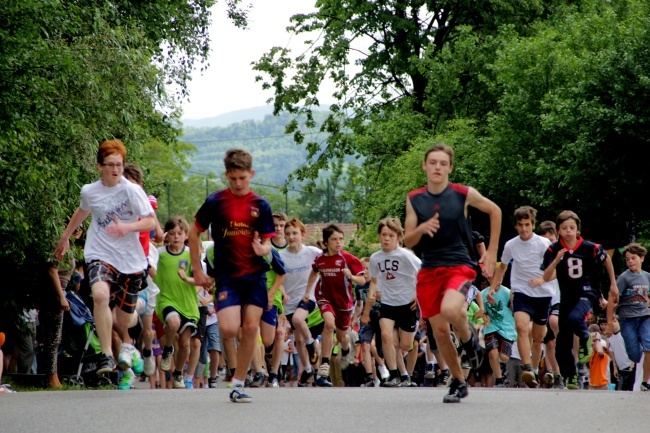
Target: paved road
pixel 339 410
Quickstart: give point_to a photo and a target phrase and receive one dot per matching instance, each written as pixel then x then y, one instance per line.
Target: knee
pixel 328 326
pixel 249 328
pixel 184 344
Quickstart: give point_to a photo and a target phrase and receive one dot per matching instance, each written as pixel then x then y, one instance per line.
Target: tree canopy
pixel 543 101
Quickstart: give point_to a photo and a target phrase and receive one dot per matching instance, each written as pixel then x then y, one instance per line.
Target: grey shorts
pixel 213 337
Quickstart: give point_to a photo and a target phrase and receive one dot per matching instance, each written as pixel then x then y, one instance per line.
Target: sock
pixel 232 372
pixel 189 377
pixel 394 373
pixel 325 361
pixel 310 340
pixel 237 383
pixel 177 373
pixel 146 353
pixel 527 367
pixel 344 352
pixel 272 376
pixel 536 371
pixel 369 377
pixel 498 380
pixel 308 369
pixel 430 366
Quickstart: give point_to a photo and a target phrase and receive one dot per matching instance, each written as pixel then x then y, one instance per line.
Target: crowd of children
pixel 432 307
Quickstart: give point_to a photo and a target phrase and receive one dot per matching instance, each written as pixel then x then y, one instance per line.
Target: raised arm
pixel 489 258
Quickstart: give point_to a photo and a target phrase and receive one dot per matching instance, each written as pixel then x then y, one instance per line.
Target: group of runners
pixel 264 278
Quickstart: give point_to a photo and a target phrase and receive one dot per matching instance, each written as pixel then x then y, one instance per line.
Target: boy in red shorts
pixel 337 269
pixel 438 227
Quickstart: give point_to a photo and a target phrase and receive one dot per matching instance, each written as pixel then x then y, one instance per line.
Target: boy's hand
pixel 489 263
pixel 613 290
pixel 270 301
pixel 535 282
pixel 490 295
pixel 560 255
pixel 182 274
pixel 65 305
pixel 119 230
pixel 365 319
pixel 61 248
pixel 430 226
pixel 200 279
pixel 258 248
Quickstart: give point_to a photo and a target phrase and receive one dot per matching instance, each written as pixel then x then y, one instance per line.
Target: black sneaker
pixel 313 356
pixel 644 386
pixel 259 380
pixel 369 383
pixel 323 381
pixel 443 378
pixel 106 364
pixel 212 382
pixel 473 351
pixel 393 382
pixel 304 379
pixel 457 390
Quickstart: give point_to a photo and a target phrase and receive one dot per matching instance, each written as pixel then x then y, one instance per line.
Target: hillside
pixel 227 119
pixel 275 154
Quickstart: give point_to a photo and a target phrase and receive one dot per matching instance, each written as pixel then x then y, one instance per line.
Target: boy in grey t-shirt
pixel 632 309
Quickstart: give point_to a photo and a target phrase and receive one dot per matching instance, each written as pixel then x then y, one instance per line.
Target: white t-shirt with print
pixel 396 273
pixel 298 267
pixel 125 201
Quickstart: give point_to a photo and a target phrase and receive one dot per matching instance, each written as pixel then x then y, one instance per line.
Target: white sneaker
pixel 149 365
pixel 383 372
pixel 324 370
pixel 166 361
pixel 178 381
pixel 125 360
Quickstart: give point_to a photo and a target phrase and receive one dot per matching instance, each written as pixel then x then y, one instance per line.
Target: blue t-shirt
pixel 502 320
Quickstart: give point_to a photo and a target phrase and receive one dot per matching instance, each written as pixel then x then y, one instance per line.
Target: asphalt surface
pixel 304 410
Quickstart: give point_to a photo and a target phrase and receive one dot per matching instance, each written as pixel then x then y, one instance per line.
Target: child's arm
pixel 77 218
pixel 549 272
pixel 613 288
pixel 310 283
pixel 120 229
pixel 56 283
pixel 356 279
pixel 481 310
pixel 279 280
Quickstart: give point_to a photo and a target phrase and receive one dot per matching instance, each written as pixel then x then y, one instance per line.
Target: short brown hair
pixel 547 226
pixel 238 159
pixel 330 230
pixel 441 147
pixel 391 223
pixel 296 223
pixel 111 147
pixel 526 212
pixel 177 221
pixel 634 248
pixel 568 215
pixel 132 171
pixel 281 216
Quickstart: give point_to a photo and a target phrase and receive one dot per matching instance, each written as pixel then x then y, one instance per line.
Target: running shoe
pixel 166 360
pixel 177 379
pixel 473 350
pixel 443 378
pixel 149 365
pixel 406 382
pixel 259 380
pixel 392 383
pixel 273 383
pixel 369 383
pixel 311 350
pixel 105 364
pixel 558 382
pixel 212 382
pixel 137 362
pixel 572 382
pixel 529 378
pixel 304 378
pixel 127 380
pixel 548 378
pixel 584 353
pixel 429 378
pixel 644 386
pixel 501 384
pixel 347 359
pixel 383 372
pixel 457 390
pixel 125 360
pixel 5 389
pixel 323 381
pixel 189 384
pixel 238 395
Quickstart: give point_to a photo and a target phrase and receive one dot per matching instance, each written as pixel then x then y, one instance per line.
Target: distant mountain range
pixel 275 154
pixel 226 119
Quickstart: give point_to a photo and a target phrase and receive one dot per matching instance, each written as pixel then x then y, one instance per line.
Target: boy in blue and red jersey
pixel 574 261
pixel 241 224
pixel 438 228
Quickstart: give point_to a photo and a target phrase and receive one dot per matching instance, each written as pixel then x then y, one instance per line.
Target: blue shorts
pixel 270 316
pixel 240 291
pixel 636 335
pixel 537 308
pixel 213 337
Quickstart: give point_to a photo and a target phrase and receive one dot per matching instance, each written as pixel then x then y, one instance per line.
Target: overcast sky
pixel 229 83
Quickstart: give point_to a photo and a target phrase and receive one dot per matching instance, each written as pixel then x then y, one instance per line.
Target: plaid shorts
pixel 124 288
pixel 494 340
